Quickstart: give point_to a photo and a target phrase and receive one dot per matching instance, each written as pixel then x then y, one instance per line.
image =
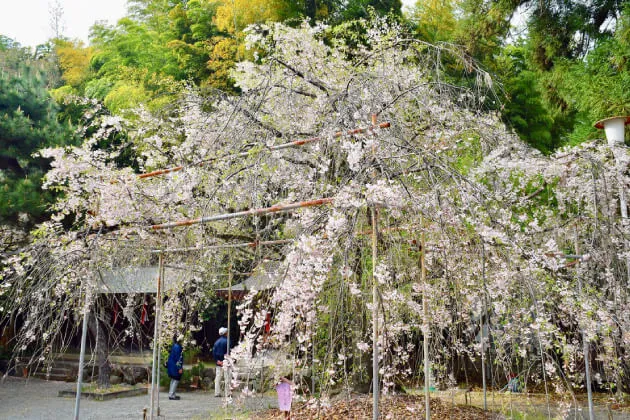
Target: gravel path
pixel 37 399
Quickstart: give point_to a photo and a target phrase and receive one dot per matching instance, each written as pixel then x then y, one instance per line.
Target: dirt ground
pixel 465 406
pixel 38 399
pixel 391 407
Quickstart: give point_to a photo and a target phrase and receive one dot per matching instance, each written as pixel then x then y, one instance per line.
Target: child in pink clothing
pixel 284 396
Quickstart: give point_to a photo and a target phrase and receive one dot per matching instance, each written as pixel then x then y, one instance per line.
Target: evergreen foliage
pixel 28 122
pixel 525 108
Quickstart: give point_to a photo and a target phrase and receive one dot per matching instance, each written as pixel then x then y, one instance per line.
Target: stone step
pixel 54 376
pixel 140 359
pixel 55 370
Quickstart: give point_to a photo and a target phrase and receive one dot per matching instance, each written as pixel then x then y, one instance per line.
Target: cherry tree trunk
pixel 97 329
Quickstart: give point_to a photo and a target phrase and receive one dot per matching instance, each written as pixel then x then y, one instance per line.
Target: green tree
pixel 158 44
pixel 357 9
pixel 599 86
pixel 434 20
pixel 74 60
pixel 28 122
pixel 525 108
pixel 569 52
pixel 193 29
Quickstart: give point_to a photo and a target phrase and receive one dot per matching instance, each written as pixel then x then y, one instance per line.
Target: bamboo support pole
pixel 86 314
pixel 156 330
pixel 623 206
pixel 292 144
pixel 254 244
pixel 426 329
pixel 161 303
pixel 314 347
pixel 483 341
pixel 585 344
pixel 279 208
pixel 618 152
pixel 375 375
pixel 229 311
pixel 228 383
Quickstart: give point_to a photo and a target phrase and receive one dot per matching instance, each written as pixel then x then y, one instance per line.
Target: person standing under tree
pixel 285 395
pixel 219 351
pixel 175 366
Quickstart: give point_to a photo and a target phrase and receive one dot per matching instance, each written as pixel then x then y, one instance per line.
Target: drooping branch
pixel 318 84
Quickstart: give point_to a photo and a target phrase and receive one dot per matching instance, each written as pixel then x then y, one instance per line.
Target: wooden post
pixel 313 358
pixel 618 151
pixel 587 368
pixel 229 310
pixel 86 314
pixel 155 386
pixel 375 376
pixel 483 341
pixel 425 327
pixel 160 303
pixel 228 385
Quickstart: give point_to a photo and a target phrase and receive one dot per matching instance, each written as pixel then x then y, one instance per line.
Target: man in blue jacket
pixel 175 366
pixel 219 351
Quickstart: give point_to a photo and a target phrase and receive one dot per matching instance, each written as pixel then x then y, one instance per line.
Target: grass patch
pixel 95 389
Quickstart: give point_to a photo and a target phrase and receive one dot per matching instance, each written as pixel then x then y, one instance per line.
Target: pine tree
pixel 28 122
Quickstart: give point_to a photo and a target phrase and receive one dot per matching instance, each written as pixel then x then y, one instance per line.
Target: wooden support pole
pixel 279 208
pixel 313 349
pixel 483 341
pixel 86 314
pixel 161 304
pixel 229 310
pixel 375 375
pixel 425 328
pixel 155 387
pixel 228 382
pixel 585 344
pixel 254 244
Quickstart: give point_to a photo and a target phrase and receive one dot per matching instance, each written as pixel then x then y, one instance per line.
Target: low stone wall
pixel 104 396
